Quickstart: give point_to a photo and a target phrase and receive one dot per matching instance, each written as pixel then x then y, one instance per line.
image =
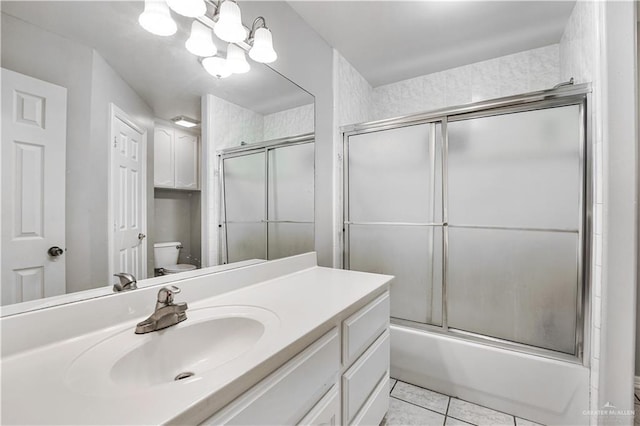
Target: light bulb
pixel 157 19
pixel 216 66
pixel 200 42
pixel 229 26
pixel 262 48
pixel 236 61
pixel 189 8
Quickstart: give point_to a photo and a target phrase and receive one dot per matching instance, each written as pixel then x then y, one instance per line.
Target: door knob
pixel 141 236
pixel 55 251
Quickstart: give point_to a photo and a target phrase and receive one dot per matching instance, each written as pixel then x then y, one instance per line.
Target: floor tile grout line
pixel 488 408
pixel 463 421
pixel 394 385
pixel 421 387
pixel 416 405
pixel 446 413
pixel 449 403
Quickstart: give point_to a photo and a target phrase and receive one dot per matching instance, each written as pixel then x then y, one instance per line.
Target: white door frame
pixel 117 113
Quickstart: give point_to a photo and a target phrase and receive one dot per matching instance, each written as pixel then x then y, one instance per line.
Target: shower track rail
pixel 560 96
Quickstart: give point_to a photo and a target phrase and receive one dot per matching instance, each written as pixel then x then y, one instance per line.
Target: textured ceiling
pixel 389 41
pixel 159 69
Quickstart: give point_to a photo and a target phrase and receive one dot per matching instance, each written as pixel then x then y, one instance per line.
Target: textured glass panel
pixel 287 239
pixel 414 256
pixel 245 241
pixel 514 285
pixel 394 175
pixel 244 187
pixel 291 171
pixel 516 170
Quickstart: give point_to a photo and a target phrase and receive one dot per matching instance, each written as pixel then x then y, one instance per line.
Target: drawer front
pixel 326 412
pixel 363 327
pixel 360 381
pixel 290 392
pixel 376 406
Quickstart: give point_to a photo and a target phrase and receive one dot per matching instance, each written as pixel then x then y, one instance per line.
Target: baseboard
pixel 636 383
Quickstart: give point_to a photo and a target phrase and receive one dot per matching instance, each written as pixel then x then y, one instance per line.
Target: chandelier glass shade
pixel 222 18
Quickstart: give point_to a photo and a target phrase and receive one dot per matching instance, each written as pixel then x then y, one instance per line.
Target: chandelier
pixel 221 18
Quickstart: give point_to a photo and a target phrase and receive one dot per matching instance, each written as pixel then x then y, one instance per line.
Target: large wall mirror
pixel 96 174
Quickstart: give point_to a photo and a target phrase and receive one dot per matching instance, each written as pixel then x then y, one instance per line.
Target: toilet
pixel 166 258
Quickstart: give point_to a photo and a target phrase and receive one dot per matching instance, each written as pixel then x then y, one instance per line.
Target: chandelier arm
pixel 258 23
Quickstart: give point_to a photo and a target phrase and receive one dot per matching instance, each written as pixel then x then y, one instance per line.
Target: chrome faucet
pixel 127 282
pixel 166 314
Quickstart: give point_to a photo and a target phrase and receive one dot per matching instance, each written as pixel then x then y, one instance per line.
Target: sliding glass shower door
pixel 245 207
pixel 268 201
pixel 480 217
pixel 395 215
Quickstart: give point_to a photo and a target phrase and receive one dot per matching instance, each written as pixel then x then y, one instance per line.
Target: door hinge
pixel 115 141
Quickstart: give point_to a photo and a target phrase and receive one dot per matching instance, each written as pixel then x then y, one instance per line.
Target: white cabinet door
pixel 326 412
pixel 186 158
pixel 163 158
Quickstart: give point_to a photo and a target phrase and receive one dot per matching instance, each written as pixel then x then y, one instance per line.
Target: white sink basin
pixel 208 339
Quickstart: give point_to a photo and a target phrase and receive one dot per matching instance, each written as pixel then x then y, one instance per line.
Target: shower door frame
pixel 256 148
pixel 562 96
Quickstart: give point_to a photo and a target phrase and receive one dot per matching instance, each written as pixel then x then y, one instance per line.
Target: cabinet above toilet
pixel 176 159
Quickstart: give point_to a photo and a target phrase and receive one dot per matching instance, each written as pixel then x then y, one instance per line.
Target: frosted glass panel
pixel 245 241
pixel 291 172
pixel 288 239
pixel 394 175
pixel 514 285
pixel 516 170
pixel 414 256
pixel 244 187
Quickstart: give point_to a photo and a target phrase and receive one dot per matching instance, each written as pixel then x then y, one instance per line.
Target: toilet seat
pixel 182 267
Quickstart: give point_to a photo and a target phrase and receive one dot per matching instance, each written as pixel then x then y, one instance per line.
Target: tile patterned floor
pixel 413 405
pixel 636 420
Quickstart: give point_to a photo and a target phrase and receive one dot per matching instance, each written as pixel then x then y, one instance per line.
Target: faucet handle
pixel 165 295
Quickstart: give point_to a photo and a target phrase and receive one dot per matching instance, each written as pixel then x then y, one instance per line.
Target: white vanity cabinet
pixel 340 379
pixel 176 159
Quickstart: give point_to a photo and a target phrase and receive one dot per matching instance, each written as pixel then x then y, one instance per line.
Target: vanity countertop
pixel 36 388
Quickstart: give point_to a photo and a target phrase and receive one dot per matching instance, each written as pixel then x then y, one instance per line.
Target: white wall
pixel 294 121
pixel 522 72
pixel 108 87
pixel 307 60
pixel 91 84
pixel 177 219
pixel 617 68
pixel 29 50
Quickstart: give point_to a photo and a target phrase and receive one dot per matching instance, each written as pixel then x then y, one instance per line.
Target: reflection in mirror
pixel 97 178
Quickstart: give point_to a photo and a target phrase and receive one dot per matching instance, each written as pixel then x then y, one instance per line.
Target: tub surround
pixel 307 300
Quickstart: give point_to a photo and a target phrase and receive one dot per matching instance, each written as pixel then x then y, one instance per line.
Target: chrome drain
pixel 184 375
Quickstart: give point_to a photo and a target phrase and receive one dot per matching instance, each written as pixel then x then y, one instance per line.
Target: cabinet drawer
pixel 360 381
pixel 290 392
pixel 376 406
pixel 325 412
pixel 363 327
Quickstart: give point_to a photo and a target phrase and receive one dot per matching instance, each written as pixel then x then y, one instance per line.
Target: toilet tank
pixel 166 254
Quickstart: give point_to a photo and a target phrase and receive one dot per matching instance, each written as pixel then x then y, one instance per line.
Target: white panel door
pixel 186 149
pixel 128 196
pixel 34 128
pixel 163 158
